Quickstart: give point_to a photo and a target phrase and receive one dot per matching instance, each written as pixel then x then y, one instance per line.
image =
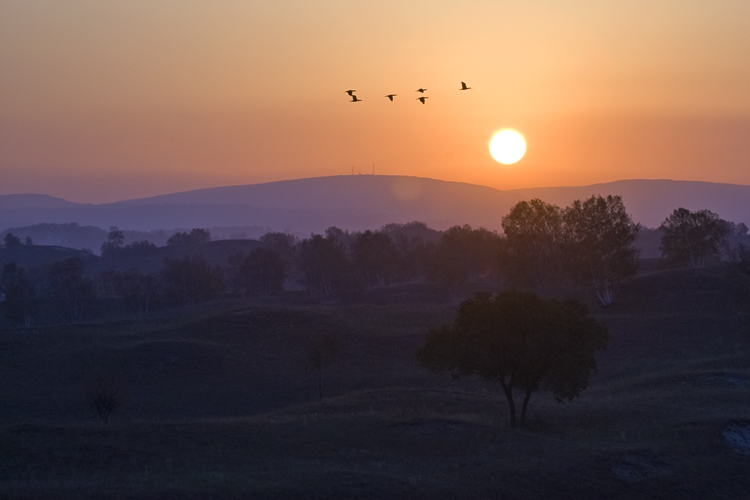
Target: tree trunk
pixel 508 389
pixel 525 405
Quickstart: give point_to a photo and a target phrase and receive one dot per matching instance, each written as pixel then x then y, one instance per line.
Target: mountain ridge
pixel 369 201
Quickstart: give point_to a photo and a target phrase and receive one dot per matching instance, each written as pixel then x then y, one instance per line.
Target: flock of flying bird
pixel 421 99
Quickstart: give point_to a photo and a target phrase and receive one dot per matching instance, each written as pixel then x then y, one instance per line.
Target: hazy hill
pixel 38 255
pixel 366 201
pixel 14 201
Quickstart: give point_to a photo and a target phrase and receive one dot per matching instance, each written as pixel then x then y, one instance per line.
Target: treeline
pixel 588 245
pixel 90 238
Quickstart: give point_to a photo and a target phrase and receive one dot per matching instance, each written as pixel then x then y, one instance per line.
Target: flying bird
pixel 351 92
pixel 391 96
pixel 354 98
pixel 421 90
pixel 464 87
pixel 422 99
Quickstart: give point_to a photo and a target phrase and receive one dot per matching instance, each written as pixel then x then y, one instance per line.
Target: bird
pixel 421 90
pixel 391 96
pixel 464 87
pixel 422 99
pixel 351 92
pixel 354 99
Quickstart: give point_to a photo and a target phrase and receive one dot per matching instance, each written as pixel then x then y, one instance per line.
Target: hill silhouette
pixel 368 202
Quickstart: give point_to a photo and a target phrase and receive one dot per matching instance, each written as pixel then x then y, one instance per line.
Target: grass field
pixel 221 405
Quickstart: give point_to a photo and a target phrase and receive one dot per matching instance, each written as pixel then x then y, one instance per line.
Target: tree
pixel 140 291
pixel 415 244
pixel 115 241
pixel 520 341
pixel 191 280
pixel 261 273
pixel 375 257
pixel 324 348
pixel 599 241
pixel 105 394
pixel 194 237
pixel 11 241
pixel 72 293
pixel 533 237
pixel 284 246
pixel 693 238
pixel 464 254
pixel 20 295
pixel 324 264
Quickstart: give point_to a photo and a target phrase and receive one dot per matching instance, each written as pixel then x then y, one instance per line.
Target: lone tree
pixel 520 341
pixel 324 349
pixel 106 394
pixel 114 243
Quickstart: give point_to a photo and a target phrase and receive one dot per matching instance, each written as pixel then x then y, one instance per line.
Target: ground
pixel 221 405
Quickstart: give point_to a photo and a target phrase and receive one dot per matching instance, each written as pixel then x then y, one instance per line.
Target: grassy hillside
pixel 222 406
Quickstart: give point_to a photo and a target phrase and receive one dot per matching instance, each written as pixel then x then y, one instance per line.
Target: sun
pixel 507 146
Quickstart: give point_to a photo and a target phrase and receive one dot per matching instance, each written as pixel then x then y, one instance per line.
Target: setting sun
pixel 507 146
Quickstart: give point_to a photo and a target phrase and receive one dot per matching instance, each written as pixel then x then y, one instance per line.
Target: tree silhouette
pixel 261 272
pixel 599 238
pixel 115 241
pixel 324 348
pixel 533 237
pixel 11 241
pixel 324 264
pixel 105 394
pixel 693 238
pixel 140 291
pixel 375 257
pixel 20 295
pixel 191 280
pixel 520 341
pixel 194 237
pixel 72 293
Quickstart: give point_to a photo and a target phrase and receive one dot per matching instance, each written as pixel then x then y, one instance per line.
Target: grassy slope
pixel 222 407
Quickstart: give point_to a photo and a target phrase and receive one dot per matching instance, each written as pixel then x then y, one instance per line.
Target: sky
pixel 109 100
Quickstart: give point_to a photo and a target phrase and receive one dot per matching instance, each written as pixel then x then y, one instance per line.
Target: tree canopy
pixel 600 237
pixel 693 238
pixel 533 234
pixel 522 342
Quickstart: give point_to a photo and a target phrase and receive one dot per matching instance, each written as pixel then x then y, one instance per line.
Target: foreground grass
pixel 399 444
pixel 222 407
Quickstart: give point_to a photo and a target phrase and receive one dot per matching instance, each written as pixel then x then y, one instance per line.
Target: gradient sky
pixel 109 100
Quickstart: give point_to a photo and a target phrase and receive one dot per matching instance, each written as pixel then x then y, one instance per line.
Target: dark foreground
pixel 221 405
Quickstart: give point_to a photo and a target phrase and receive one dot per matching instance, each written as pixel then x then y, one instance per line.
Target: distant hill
pixel 368 202
pixel 14 201
pixel 38 255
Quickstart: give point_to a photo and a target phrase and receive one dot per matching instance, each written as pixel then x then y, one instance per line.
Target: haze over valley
pixel 362 202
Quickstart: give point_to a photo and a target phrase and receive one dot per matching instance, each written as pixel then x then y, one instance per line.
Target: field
pixel 222 405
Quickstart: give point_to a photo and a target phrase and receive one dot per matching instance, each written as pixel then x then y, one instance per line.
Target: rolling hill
pixel 366 202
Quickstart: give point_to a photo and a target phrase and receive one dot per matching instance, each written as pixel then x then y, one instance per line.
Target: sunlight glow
pixel 507 146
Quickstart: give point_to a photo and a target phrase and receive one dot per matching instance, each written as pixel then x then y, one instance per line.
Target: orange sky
pixel 102 101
